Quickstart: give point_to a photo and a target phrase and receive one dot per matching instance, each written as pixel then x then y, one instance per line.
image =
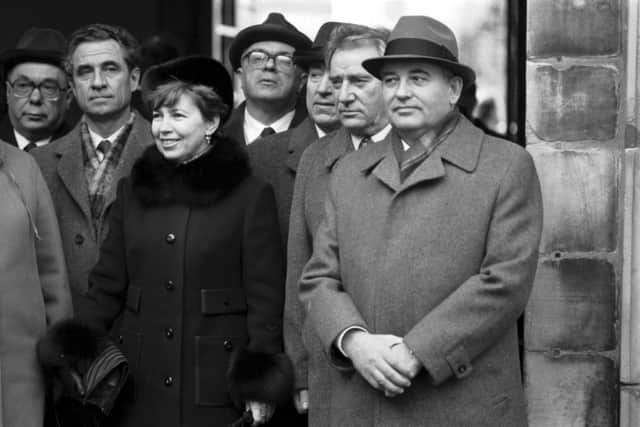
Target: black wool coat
pixel 194 263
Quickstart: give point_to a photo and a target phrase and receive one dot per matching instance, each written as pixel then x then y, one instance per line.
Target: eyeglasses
pixel 23 88
pixel 259 58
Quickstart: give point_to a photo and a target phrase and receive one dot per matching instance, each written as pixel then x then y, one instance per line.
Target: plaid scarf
pixel 416 154
pixel 99 174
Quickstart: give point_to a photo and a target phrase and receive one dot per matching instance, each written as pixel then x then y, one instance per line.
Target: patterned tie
pixel 104 147
pixel 267 131
pixel 364 142
pixel 30 146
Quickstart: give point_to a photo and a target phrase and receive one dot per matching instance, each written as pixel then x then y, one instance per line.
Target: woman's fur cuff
pixel 260 377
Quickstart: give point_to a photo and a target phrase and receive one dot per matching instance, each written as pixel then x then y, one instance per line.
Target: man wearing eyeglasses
pixel 262 56
pixel 38 94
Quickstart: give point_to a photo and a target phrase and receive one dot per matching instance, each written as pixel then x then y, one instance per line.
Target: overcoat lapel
pixel 339 145
pixel 299 138
pixel 71 172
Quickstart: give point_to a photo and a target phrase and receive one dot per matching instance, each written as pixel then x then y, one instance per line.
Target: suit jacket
pixel 234 128
pixel 445 259
pixel 275 159
pixel 315 169
pixel 62 165
pixel 34 289
pixel 7 135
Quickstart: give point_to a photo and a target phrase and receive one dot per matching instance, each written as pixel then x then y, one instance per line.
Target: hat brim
pixel 374 65
pixel 13 57
pixel 304 58
pixel 264 32
pixel 199 70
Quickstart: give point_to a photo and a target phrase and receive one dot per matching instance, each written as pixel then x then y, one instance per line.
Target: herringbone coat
pixel 444 259
pixel 62 166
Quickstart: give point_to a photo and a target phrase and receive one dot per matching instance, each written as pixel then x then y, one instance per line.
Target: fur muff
pixel 261 377
pixel 69 345
pixel 158 181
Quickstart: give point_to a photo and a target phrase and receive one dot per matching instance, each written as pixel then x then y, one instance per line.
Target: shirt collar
pixel 319 131
pixel 97 139
pixel 253 127
pixel 23 142
pixel 382 134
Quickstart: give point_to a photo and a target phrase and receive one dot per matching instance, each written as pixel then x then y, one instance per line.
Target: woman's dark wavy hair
pixel 205 98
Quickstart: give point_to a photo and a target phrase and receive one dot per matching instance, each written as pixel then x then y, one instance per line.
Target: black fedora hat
pixel 199 70
pixel 304 57
pixel 36 45
pixel 422 37
pixel 274 28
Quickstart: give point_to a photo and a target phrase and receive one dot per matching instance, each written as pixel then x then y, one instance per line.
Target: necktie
pixel 267 131
pixel 103 148
pixel 364 142
pixel 30 146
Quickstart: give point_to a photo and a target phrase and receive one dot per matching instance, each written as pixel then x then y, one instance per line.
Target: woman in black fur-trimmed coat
pixel 193 262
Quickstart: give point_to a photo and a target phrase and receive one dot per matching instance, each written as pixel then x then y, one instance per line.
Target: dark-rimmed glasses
pixel 259 58
pixel 23 88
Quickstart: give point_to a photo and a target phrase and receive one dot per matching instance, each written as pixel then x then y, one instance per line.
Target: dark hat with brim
pixel 44 45
pixel 274 28
pixel 197 70
pixel 305 57
pixel 422 38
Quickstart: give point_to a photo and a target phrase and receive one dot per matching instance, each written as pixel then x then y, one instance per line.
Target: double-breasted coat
pixel 275 159
pixel 444 259
pixel 63 169
pixel 34 289
pixel 193 260
pixel 315 169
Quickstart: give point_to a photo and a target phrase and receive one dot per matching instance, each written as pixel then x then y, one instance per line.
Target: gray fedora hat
pixel 422 37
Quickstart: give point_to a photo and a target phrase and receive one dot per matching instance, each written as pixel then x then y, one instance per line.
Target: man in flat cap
pixel 262 56
pixel 425 256
pixel 364 121
pixel 38 94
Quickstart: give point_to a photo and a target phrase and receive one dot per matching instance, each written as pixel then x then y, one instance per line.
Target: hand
pixel 372 356
pixel 301 400
pixel 404 360
pixel 261 412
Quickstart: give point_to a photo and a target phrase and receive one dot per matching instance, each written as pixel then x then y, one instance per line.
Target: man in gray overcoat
pixel 82 169
pixel 425 256
pixel 364 120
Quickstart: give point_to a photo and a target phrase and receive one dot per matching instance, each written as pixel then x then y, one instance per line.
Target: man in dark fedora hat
pixel 426 255
pixel 363 121
pixel 37 90
pixel 262 56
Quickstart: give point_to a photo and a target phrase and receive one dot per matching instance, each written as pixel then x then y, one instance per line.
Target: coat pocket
pixel 223 301
pixel 212 361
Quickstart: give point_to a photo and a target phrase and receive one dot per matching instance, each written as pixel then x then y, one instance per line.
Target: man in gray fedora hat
pixel 426 255
pixel 38 93
pixel 262 56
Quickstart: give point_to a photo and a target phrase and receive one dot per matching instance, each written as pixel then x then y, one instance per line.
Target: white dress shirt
pixel 97 139
pixel 382 134
pixel 253 127
pixel 23 142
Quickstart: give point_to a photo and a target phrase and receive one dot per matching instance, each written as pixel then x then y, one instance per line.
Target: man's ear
pixel 303 81
pixel 455 89
pixel 134 77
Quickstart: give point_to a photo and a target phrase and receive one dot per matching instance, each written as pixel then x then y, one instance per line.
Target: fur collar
pixel 157 181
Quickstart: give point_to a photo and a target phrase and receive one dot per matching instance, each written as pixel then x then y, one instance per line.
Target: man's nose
pixel 270 63
pixel 98 79
pixel 345 95
pixel 35 97
pixel 402 91
pixel 325 87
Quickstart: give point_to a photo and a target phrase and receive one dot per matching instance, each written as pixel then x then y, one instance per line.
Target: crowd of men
pixel 411 235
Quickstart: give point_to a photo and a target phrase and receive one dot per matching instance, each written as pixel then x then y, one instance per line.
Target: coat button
pixel 170 285
pixel 462 369
pixel 170 238
pixel 169 332
pixel 168 381
pixel 228 345
pixel 120 339
pixel 78 239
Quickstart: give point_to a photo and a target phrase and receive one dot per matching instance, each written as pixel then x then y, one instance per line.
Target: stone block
pixel 580 199
pixel 573 104
pixel 571 390
pixel 572 306
pixel 573 27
